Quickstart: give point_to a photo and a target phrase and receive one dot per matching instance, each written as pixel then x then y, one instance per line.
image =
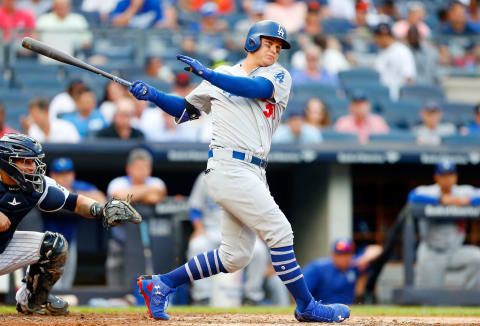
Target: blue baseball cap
pixel 62 164
pixel 445 167
pixel 359 95
pixel 343 246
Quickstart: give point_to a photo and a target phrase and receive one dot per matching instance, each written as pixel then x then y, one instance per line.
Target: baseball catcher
pixel 23 185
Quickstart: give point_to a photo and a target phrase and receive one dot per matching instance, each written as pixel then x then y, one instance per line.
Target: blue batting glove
pixel 143 91
pixel 196 67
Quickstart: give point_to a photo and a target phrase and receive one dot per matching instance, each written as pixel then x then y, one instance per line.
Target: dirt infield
pixel 196 319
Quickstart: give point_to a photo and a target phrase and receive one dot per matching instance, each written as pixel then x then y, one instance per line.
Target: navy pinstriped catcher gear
pixel 265 28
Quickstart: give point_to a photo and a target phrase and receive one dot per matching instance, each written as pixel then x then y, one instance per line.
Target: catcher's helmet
pixel 265 28
pixel 19 146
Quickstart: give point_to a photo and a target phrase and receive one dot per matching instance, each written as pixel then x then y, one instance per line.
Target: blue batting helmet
pixel 265 28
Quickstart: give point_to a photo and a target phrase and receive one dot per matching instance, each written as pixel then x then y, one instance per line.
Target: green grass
pixel 356 310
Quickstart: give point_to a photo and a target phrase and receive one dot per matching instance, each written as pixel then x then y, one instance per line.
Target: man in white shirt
pixel 144 189
pixel 40 127
pixel 395 62
pixel 432 131
pixel 65 102
pixel 63 30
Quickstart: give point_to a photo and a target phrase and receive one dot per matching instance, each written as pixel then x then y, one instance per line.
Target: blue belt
pixel 241 156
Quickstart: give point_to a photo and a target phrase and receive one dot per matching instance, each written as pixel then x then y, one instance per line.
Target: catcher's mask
pixel 17 152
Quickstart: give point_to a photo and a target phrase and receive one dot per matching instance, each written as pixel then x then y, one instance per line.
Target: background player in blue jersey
pixel 333 279
pixel 23 185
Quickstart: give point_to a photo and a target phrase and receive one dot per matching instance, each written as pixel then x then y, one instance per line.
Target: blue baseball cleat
pixel 318 312
pixel 156 295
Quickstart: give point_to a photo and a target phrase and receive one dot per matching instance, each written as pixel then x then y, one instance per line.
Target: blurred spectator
pixel 431 131
pixel 64 222
pixel 12 18
pixel 415 17
pixel 144 14
pixel 425 56
pixel 441 250
pixel 63 30
pixel 159 126
pixel 155 68
pixel 290 13
pixel 4 128
pixel 296 131
pixel 316 114
pixel 87 119
pixel 144 189
pixel 225 7
pixel 334 279
pixel 473 128
pixel 463 49
pixel 65 102
pixel 138 182
pixel 387 11
pixel 255 12
pixel 209 29
pixel 332 58
pixel 313 19
pixel 395 62
pixel 121 127
pixel 313 72
pixel 113 92
pixel 37 7
pixel 39 126
pixel 361 121
pixel 342 8
pixel 103 7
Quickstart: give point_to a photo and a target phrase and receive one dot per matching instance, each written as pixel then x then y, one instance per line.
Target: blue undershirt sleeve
pixel 258 87
pixel 416 198
pixel 171 104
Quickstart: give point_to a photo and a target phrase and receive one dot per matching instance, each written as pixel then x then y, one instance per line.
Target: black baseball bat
pixel 48 51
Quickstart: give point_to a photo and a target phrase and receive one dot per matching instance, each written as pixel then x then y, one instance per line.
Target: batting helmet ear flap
pixel 253 43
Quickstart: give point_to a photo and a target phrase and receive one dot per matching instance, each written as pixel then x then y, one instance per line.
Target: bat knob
pixel 144 91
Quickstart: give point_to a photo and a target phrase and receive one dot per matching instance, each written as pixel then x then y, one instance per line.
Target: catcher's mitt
pixel 117 211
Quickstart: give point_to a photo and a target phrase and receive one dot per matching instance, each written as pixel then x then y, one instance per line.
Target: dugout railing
pixel 405 225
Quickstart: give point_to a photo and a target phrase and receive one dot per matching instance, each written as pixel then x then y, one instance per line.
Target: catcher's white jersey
pixel 240 123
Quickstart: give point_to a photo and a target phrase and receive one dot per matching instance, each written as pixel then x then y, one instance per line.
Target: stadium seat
pixel 374 90
pixel 331 135
pixel 422 92
pixel 314 90
pixel 337 107
pixel 459 140
pixel 395 135
pixel 457 113
pixel 401 114
pixel 93 18
pixel 13 115
pixel 337 26
pixel 359 75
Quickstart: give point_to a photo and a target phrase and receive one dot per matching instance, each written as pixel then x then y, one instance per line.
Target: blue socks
pixel 285 264
pixel 201 266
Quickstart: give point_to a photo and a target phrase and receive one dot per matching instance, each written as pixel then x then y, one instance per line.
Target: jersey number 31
pixel 269 110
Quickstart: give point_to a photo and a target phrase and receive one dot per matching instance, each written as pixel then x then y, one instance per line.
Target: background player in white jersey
pixel 205 216
pixel 23 185
pixel 246 102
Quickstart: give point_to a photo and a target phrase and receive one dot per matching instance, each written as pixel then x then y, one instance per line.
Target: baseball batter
pixel 246 102
pixel 206 216
pixel 23 185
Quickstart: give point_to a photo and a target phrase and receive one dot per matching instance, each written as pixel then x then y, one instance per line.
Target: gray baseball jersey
pixel 241 123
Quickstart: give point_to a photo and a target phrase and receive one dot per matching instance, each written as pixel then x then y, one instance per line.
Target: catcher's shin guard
pixel 42 275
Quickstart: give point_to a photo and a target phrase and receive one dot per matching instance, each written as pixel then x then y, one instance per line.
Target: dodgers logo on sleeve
pixel 279 77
